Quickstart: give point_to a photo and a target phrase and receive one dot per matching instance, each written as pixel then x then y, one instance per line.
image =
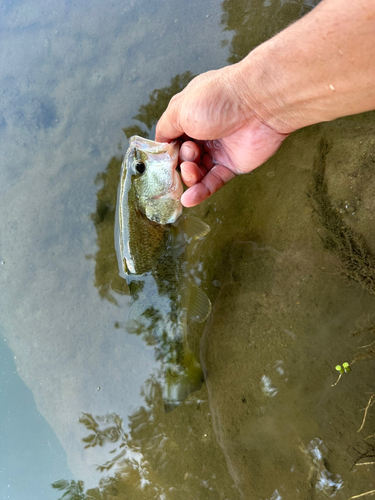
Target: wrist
pixel 261 94
pixel 318 69
pixel 275 91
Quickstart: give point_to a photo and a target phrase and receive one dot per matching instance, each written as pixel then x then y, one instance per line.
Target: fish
pixel 154 235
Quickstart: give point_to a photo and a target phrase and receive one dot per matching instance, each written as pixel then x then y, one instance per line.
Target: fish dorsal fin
pixel 199 305
pixel 194 228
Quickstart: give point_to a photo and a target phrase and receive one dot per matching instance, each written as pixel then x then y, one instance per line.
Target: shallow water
pixel 80 413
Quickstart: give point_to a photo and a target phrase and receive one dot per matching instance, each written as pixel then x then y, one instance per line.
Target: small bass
pixel 153 242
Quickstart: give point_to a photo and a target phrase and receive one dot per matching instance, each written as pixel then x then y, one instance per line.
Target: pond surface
pixel 289 265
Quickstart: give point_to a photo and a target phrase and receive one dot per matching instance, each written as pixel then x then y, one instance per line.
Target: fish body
pixel 153 242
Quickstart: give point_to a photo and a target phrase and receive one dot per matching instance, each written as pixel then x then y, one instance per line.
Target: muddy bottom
pixel 296 298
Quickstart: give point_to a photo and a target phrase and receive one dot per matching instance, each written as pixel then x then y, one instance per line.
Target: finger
pixel 207 161
pixel 191 173
pixel 190 152
pixel 168 126
pixel 212 182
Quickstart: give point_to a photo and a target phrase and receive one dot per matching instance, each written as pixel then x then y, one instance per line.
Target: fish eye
pixel 140 166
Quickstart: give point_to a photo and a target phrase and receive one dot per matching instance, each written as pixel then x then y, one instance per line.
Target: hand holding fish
pixel 229 138
pixel 318 69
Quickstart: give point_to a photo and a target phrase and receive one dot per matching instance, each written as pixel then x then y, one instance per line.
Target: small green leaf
pixel 346 367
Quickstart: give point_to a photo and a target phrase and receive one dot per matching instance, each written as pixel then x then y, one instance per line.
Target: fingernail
pixel 187 153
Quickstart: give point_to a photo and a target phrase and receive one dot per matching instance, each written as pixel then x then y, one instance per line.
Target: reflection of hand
pixel 229 139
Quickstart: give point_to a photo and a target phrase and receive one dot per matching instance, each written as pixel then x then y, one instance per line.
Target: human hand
pixel 222 134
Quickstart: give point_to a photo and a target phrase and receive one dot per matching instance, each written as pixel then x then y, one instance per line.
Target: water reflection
pixel 87 67
pixel 160 299
pixel 164 299
pixel 113 433
pixel 152 454
pixel 319 475
pixel 149 113
pixel 255 21
pixel 32 112
pixel 38 454
pixel 157 457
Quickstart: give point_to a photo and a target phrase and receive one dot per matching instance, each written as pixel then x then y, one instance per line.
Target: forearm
pixel 318 69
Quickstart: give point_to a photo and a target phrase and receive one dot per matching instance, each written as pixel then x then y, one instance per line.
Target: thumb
pixel 168 127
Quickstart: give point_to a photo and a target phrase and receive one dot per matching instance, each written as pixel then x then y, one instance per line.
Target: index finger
pixel 168 127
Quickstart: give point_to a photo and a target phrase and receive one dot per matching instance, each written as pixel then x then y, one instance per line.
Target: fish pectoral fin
pixel 195 228
pixel 199 305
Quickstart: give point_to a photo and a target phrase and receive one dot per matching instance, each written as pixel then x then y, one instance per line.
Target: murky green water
pixel 288 265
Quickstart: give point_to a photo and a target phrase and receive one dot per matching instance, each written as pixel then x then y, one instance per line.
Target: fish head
pixel 156 183
pixel 149 201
